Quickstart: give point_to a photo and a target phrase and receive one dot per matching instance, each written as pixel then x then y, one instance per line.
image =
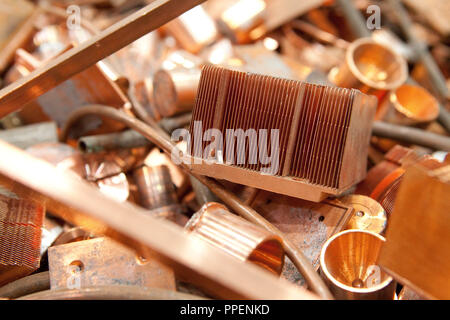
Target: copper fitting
pixel 174 90
pixel 236 236
pixel 348 264
pixel 20 237
pixel 411 105
pixel 155 186
pixel 238 21
pixel 368 214
pixel 193 30
pixel 370 67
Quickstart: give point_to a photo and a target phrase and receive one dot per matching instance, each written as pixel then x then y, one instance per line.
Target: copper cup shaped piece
pixel 411 105
pixel 237 237
pixel 348 264
pixel 174 90
pixel 370 67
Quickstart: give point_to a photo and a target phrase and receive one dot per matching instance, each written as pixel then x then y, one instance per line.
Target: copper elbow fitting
pixel 348 264
pixel 237 237
pixel 411 105
pixel 370 67
pixel 174 90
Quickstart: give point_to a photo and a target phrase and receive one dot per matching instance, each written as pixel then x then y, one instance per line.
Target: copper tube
pixel 27 136
pixel 174 90
pixel 346 261
pixel 31 284
pixel 155 186
pixel 111 141
pixel 370 67
pixel 411 105
pixel 160 138
pixel 238 237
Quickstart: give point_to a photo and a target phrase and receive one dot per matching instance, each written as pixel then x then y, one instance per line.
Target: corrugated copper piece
pixel 174 90
pixel 236 236
pixel 348 264
pixel 102 262
pixel 417 249
pixel 156 189
pixel 323 133
pixel 193 30
pixel 370 67
pixel 368 214
pixel 20 237
pixel 411 105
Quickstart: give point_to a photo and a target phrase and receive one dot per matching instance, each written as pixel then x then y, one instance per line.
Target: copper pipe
pixel 25 286
pixel 348 265
pixel 111 293
pixel 161 139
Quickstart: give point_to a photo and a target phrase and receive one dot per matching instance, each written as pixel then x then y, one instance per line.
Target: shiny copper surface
pixel 237 237
pixel 20 237
pixel 370 67
pixel 316 159
pixel 348 263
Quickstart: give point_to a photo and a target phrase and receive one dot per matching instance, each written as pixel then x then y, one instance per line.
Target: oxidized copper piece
pixel 368 214
pixel 27 136
pixel 20 237
pixel 103 262
pixel 410 105
pixel 237 237
pixel 174 90
pixel 323 133
pixel 193 30
pixel 417 249
pixel 370 67
pixel 348 264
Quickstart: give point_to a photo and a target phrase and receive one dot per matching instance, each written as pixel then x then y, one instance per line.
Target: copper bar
pixel 348 263
pixel 370 67
pixel 88 53
pixel 237 237
pixel 80 204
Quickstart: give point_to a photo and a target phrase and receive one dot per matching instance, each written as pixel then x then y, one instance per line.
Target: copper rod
pixel 162 139
pixel 91 51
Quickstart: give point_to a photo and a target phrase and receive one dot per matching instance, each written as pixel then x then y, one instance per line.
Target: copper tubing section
pixel 348 263
pixel 238 237
pixel 174 90
pixel 411 105
pixel 370 67
pixel 25 286
pixel 111 141
pixel 111 293
pixel 411 135
pixel 162 139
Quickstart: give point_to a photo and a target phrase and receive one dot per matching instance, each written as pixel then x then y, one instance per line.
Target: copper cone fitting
pixel 174 90
pixel 238 237
pixel 370 67
pixel 411 105
pixel 155 186
pixel 348 264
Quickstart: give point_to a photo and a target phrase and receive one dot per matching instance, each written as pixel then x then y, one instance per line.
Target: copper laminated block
pixel 370 67
pixel 174 90
pixel 417 246
pixel 20 237
pixel 238 237
pixel 323 133
pixel 348 264
pixel 103 262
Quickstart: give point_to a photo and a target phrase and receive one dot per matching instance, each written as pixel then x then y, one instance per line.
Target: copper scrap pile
pixel 119 178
